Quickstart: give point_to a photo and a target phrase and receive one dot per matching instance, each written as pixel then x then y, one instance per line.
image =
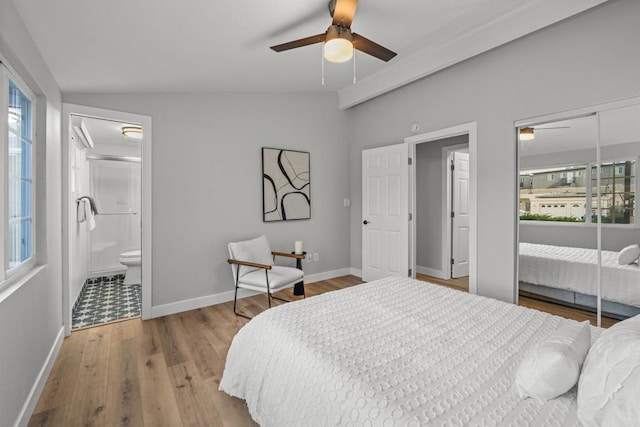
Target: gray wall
pixel 207 181
pixel 30 311
pixel 430 188
pixel 588 59
pixel 587 155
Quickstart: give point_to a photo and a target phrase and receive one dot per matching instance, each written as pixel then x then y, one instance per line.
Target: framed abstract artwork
pixel 286 185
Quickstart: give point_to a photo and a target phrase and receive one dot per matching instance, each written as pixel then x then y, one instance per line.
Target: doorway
pixel 106 215
pixel 436 238
pixel 442 208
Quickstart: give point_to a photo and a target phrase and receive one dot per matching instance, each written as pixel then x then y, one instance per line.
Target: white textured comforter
pixel 391 352
pixel 575 269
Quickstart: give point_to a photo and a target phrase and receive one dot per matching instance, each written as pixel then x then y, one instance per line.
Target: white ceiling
pixel 108 132
pixel 223 45
pixel 107 136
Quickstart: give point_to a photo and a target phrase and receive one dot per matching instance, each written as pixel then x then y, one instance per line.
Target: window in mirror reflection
pixel 617 190
pixel 562 193
pixel 554 194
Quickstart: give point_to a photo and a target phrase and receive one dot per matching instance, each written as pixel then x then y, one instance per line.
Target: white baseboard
pixel 194 303
pixel 355 272
pixel 41 380
pixel 430 272
pixel 318 277
pixel 78 292
pixel 205 301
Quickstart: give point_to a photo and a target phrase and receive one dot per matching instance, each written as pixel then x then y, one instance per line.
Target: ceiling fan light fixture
pixel 134 132
pixel 338 45
pixel 526 134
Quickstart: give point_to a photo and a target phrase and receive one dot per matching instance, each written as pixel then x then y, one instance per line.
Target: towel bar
pixel 118 213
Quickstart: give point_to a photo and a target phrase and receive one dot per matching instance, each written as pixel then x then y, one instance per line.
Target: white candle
pixel 298 248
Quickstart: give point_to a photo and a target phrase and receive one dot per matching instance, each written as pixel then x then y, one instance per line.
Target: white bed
pixel 392 352
pixel 575 269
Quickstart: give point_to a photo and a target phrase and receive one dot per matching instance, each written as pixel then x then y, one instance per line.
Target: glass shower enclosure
pixel 115 183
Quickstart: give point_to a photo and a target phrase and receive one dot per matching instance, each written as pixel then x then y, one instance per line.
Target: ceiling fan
pixel 339 41
pixel 527 133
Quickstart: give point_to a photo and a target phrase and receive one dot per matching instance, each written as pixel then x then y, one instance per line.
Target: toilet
pixel 133 261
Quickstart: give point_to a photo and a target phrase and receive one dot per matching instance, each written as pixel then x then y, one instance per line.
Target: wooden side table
pixel 298 288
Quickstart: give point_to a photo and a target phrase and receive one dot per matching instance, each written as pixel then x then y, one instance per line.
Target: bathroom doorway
pixel 106 212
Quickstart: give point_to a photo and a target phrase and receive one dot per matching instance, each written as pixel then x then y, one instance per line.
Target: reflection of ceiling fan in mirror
pixel 527 133
pixel 338 40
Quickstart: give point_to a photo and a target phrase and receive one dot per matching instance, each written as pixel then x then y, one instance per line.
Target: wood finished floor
pixel 166 371
pixel 159 372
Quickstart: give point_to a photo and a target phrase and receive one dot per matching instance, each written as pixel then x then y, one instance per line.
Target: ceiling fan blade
pixel 318 38
pixel 343 11
pixel 372 48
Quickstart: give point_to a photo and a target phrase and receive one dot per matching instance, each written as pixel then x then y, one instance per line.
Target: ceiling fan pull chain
pixel 354 66
pixel 322 59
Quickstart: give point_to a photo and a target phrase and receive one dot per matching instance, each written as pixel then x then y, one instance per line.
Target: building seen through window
pixel 570 193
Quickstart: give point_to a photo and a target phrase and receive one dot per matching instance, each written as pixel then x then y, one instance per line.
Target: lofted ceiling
pixel 120 46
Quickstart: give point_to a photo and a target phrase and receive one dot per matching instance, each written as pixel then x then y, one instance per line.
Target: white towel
pixel 88 214
pixel 81 210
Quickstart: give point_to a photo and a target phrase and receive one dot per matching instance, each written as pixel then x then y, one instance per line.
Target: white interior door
pixel 385 212
pixel 460 220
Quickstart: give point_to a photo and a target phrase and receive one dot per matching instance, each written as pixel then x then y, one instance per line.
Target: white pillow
pixel 552 367
pixel 609 387
pixel 255 250
pixel 629 255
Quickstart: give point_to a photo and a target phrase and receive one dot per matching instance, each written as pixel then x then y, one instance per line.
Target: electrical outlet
pixel 308 256
pixel 316 257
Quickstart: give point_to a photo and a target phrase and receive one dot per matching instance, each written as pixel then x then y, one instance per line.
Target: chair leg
pixel 269 292
pixel 268 289
pixel 235 297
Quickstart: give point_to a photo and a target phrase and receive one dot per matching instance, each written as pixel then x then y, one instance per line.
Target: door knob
pixel 365 222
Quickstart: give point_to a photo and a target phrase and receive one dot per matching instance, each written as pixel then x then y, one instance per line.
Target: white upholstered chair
pixel 252 264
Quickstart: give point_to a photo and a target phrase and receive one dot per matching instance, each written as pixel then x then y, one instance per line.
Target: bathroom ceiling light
pixel 526 134
pixel 132 131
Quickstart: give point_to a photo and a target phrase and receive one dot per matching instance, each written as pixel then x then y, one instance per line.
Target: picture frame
pixel 286 185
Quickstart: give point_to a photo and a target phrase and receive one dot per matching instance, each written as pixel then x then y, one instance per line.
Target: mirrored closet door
pixel 577 213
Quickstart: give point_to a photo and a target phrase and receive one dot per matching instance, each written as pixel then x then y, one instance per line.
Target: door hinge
pixel 410 161
pixel 453 214
pixel 453 261
pixel 410 272
pixel 453 167
pixel 410 217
